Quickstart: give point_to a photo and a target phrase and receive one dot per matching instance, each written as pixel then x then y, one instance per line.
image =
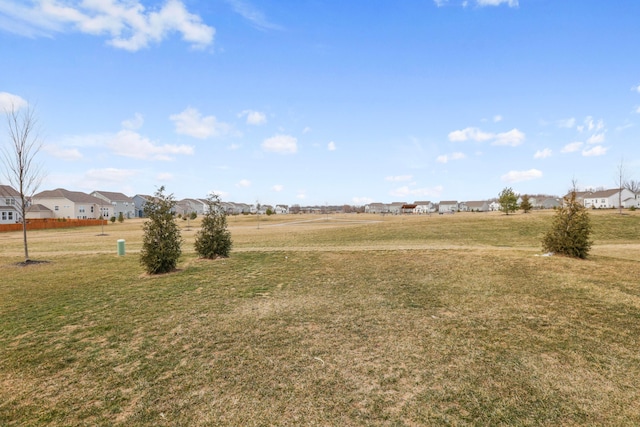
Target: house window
pixel 81 209
pixel 91 209
pixel 4 216
pixel 10 216
pixel 56 208
pixel 603 201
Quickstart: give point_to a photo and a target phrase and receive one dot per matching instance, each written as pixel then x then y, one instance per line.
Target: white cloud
pixel 62 153
pixel 234 147
pixel 277 188
pixel 445 158
pixel 399 178
pixel 591 125
pixel 566 123
pixel 135 123
pixel 301 195
pixel 126 23
pixel 253 15
pixel 497 118
pixel 220 193
pixel 470 133
pixel 307 129
pixel 331 146
pixel 510 3
pixel 542 154
pixel 598 150
pixel 10 101
pixel 281 144
pixel 406 191
pixel 597 138
pixel 517 176
pixel 190 122
pixel 638 110
pixel 513 137
pixel 360 201
pixel 636 88
pixel 131 144
pixel 254 118
pixel 572 147
pixel 243 183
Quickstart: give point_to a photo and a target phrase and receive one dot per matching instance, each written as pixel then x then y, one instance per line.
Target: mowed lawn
pixel 334 320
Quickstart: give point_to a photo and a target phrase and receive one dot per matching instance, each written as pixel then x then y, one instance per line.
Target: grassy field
pixel 325 320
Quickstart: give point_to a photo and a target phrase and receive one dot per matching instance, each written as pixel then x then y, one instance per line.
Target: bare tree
pixel 633 186
pixel 18 156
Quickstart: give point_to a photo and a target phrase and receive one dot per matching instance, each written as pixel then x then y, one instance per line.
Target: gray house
pixel 121 204
pixel 448 206
pixel 139 200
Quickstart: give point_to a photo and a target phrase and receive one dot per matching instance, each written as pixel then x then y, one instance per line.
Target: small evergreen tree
pixel 526 205
pixel 162 240
pixel 120 218
pixel 569 234
pixel 508 200
pixel 213 240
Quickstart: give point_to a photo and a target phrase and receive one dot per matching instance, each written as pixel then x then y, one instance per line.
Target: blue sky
pixel 327 102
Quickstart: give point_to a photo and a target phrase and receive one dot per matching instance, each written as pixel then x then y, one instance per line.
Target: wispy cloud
pixel 253 15
pixel 479 3
pixel 284 144
pixel 128 143
pixel 125 23
pixel 134 123
pixel 542 154
pixel 191 122
pixel 254 118
pixel 399 178
pixel 512 138
pixel 243 183
pixel 598 150
pixel 69 154
pixel 597 138
pixel 9 101
pixel 277 188
pixel 331 146
pixel 445 158
pixel 566 123
pixel 572 147
pixel 518 176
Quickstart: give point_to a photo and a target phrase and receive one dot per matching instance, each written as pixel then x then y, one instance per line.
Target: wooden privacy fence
pixel 43 224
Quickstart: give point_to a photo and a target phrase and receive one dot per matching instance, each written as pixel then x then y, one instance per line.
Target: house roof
pixel 422 202
pixel 603 193
pixel 449 202
pixel 114 197
pixel 6 190
pixel 477 204
pixel 73 196
pixel 38 208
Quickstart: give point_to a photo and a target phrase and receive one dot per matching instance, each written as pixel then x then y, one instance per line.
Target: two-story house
pixel 73 204
pixel 121 203
pixel 9 205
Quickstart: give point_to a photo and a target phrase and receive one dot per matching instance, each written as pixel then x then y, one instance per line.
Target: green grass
pixel 408 321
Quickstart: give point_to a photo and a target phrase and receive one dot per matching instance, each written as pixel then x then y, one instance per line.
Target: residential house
pixel 551 203
pixel 632 201
pixel 606 199
pixel 282 209
pixel 37 211
pixel 139 201
pixel 408 208
pixel 495 206
pixel 73 204
pixel 396 207
pixel 448 206
pixel 9 205
pixel 189 206
pixel 121 203
pixel 477 206
pixel 376 208
pixel 424 207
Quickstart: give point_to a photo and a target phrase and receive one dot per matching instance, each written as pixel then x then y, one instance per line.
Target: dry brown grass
pixel 407 321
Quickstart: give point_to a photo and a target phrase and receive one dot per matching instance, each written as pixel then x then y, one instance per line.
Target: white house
pixel 73 204
pixel 9 205
pixel 448 206
pixel 121 204
pixel 282 209
pixel 606 199
pixel 477 206
pixel 424 207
